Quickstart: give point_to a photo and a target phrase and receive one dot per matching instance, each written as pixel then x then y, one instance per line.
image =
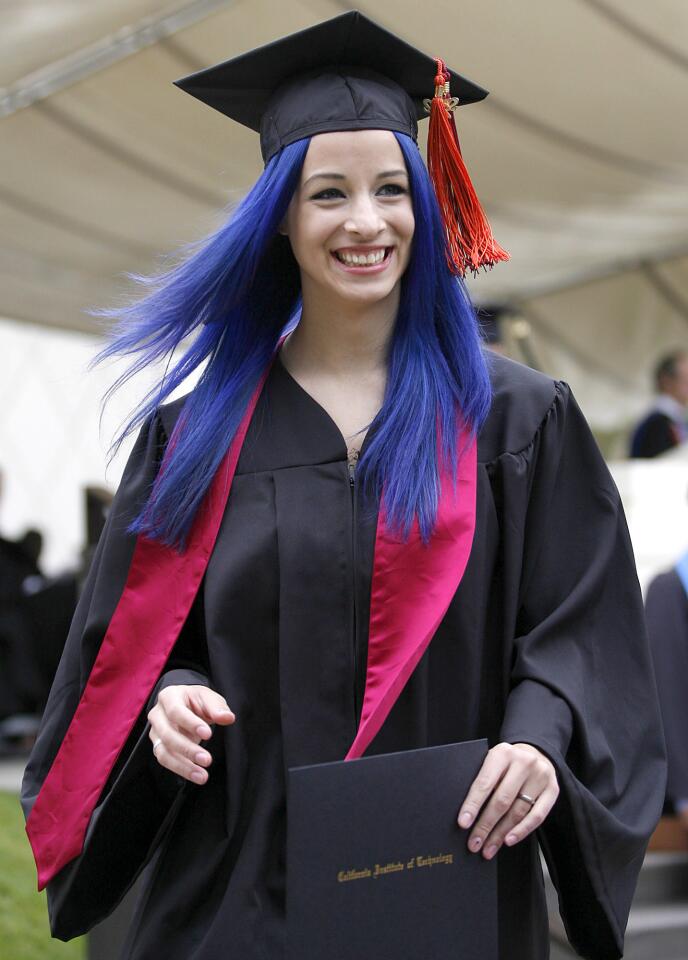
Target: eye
pixel 332 193
pixel 392 190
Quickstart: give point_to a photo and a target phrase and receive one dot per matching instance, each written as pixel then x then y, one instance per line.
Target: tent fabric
pixel 580 155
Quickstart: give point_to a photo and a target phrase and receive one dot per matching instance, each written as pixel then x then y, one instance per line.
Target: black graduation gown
pixel 666 608
pixel 543 643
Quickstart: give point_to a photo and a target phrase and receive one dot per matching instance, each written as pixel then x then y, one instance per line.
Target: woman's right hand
pixel 179 721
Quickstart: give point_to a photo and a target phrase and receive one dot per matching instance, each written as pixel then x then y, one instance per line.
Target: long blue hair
pixel 237 292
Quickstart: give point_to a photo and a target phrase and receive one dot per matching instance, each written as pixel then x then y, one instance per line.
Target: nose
pixel 364 219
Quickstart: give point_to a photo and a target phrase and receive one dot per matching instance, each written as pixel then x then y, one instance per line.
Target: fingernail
pixel 199 776
pixel 465 820
pixel 512 838
pixel 475 843
pixel 202 758
pixel 490 851
pixel 203 732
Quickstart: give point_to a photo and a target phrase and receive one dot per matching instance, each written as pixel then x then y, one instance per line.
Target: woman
pixel 374 439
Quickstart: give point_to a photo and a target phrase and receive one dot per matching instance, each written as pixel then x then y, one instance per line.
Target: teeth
pixel 359 259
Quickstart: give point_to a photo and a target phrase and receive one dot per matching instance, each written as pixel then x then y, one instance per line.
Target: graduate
pixel 359 533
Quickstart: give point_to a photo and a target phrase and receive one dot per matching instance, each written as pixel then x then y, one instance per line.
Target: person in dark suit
pixel 666 610
pixel 666 424
pixel 17 680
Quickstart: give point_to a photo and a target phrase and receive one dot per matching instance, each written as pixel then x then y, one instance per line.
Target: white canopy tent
pixel 580 155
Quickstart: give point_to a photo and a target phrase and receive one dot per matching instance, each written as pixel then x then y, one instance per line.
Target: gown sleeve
pixel 140 799
pixel 582 688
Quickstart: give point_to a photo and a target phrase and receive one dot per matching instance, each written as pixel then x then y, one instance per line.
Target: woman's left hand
pixel 509 769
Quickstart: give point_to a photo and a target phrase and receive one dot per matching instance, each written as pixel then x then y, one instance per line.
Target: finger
pixel 210 705
pixel 535 818
pixel 177 744
pixel 517 812
pixel 492 770
pixel 174 703
pixel 498 806
pixel 180 766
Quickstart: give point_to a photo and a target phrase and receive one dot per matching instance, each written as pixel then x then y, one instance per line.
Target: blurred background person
pixel 35 612
pixel 666 424
pixel 18 564
pixel 666 610
pixel 490 321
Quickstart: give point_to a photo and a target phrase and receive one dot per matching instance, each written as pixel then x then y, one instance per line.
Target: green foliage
pixel 24 932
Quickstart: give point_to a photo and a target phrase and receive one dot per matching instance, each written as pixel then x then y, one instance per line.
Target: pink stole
pixel 412 587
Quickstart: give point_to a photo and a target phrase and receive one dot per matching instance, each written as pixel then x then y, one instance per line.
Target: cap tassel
pixel 470 243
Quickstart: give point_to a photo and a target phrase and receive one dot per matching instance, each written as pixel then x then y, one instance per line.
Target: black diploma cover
pixel 377 868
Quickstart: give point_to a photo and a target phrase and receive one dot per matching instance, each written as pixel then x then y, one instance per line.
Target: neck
pixel 669 401
pixel 341 338
pixel 674 398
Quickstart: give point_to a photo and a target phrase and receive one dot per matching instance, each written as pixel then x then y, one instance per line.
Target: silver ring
pixel 521 796
pixel 157 744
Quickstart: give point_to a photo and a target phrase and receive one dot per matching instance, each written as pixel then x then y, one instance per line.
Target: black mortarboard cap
pixel 347 73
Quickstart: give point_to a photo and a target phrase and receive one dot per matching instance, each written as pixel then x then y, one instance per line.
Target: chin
pixel 367 297
pixel 367 290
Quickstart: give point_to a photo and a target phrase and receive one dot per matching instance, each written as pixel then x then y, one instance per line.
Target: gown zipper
pixel 352 457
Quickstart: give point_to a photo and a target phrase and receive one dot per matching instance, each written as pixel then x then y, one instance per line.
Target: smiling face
pixel 350 222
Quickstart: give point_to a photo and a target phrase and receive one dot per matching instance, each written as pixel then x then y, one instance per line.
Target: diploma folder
pixel 377 867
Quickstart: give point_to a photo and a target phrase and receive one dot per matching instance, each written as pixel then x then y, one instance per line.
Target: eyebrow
pixel 340 176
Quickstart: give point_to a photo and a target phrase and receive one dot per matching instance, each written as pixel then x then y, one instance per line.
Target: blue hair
pixel 437 380
pixel 237 292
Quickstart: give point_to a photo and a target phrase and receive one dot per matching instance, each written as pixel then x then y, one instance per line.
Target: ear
pixel 282 229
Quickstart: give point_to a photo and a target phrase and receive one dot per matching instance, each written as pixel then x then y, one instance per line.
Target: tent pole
pixel 103 53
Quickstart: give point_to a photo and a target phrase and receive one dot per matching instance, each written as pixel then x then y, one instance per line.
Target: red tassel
pixel 470 243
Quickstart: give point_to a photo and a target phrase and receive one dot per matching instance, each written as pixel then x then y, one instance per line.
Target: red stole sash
pixel 412 587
